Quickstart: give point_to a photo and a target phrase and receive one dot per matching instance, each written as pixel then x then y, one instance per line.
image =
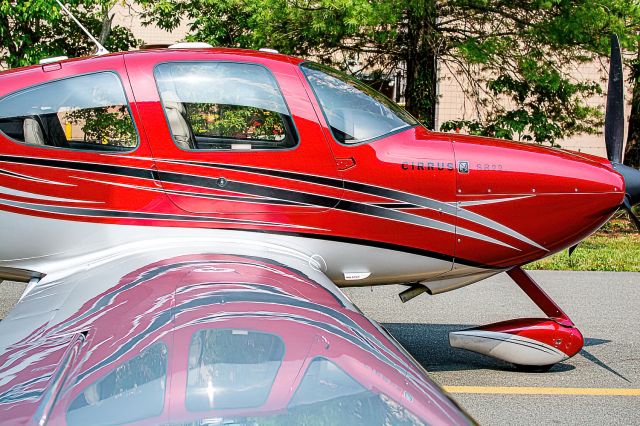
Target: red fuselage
pixel 463 200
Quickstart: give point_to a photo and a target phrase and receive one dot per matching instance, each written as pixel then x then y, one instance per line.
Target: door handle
pixel 345 163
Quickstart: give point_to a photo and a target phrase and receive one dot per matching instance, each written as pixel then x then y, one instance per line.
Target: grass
pixel 615 247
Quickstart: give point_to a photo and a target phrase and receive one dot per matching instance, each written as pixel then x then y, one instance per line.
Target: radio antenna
pixel 100 48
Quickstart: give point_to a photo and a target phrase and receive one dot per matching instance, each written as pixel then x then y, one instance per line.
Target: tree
pixel 104 125
pixel 522 52
pixel 36 29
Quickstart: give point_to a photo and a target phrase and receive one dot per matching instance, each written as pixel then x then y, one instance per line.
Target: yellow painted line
pixel 514 390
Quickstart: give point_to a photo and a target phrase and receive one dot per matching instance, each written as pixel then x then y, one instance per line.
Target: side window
pixel 88 112
pixel 132 391
pixel 324 381
pixel 354 111
pixel 224 105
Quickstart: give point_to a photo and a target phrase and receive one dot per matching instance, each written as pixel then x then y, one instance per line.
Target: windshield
pixel 354 111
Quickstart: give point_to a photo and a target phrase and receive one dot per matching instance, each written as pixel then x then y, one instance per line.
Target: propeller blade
pixel 627 206
pixel 614 118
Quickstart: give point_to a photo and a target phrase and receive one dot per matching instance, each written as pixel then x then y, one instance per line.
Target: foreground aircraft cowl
pixel 211 339
pixel 216 152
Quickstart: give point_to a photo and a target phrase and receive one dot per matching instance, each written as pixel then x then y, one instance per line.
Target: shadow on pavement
pixel 592 358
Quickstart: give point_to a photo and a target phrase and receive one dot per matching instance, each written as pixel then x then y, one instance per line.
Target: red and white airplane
pixel 176 209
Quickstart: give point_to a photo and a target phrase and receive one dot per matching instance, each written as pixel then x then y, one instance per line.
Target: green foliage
pixel 234 121
pixel 477 51
pixel 75 43
pixel 546 106
pixel 519 52
pixel 112 126
pixel 34 29
pixel 597 253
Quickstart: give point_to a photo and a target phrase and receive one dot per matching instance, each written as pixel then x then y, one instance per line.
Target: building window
pixel 87 112
pixel 224 105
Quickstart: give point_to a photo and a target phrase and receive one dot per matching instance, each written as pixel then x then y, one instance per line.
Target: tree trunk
pixel 632 152
pixel 420 91
pixel 107 22
pixel 422 74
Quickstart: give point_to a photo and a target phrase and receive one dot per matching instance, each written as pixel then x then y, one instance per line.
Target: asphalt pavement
pixel 604 305
pixel 600 385
pixel 9 294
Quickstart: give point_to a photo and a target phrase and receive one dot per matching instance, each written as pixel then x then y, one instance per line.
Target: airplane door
pixel 233 137
pixel 401 176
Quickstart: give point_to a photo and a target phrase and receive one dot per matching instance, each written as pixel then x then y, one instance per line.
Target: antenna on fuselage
pixel 101 50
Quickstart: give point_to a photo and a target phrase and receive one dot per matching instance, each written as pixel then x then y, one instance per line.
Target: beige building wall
pixel 453 103
pixel 129 17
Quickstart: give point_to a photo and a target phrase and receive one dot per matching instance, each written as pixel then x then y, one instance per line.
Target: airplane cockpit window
pixel 224 105
pixel 132 391
pixel 231 369
pixel 355 112
pixel 87 112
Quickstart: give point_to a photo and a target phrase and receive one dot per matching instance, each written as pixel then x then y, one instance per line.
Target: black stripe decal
pixel 87 167
pixel 257 200
pixel 307 198
pixel 81 211
pixel 324 237
pixel 163 176
pixel 265 191
pixel 320 180
pixel 247 188
pixel 233 198
pixel 415 200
